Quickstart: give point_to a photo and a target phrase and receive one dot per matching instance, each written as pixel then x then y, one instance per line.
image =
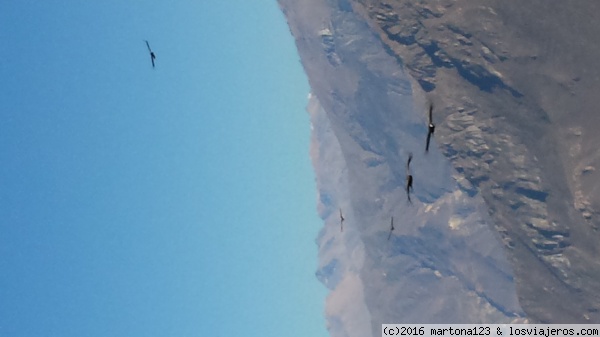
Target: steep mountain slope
pixel 517 82
pixel 510 173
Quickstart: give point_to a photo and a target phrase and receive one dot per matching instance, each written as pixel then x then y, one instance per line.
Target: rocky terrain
pixel 504 221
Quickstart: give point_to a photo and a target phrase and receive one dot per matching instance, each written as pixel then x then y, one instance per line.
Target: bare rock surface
pixel 504 221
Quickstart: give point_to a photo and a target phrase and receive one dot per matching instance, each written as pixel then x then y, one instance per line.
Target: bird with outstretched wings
pixel 409 178
pixel 341 221
pixel 391 229
pixel 152 56
pixel 431 127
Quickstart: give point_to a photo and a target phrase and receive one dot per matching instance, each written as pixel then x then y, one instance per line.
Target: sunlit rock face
pixel 504 215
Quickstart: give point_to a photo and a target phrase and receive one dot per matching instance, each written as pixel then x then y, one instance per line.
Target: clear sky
pixel 176 201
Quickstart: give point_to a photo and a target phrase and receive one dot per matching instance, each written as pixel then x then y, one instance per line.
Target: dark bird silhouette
pixel 409 178
pixel 391 229
pixel 431 128
pixel 152 56
pixel 341 221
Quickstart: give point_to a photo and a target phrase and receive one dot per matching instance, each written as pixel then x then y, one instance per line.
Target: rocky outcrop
pixel 511 167
pixel 483 64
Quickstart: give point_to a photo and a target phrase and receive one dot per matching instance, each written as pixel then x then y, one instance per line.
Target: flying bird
pixel 431 127
pixel 152 56
pixel 409 178
pixel 341 221
pixel 391 229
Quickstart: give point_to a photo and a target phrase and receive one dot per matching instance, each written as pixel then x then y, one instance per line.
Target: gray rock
pixel 503 225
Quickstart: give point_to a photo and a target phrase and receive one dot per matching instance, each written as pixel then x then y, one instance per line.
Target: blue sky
pixel 176 201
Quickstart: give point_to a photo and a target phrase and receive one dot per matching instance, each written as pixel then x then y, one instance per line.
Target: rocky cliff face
pixel 505 202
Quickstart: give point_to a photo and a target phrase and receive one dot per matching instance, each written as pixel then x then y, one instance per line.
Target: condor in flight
pixel 341 221
pixel 431 127
pixel 409 178
pixel 152 56
pixel 391 229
